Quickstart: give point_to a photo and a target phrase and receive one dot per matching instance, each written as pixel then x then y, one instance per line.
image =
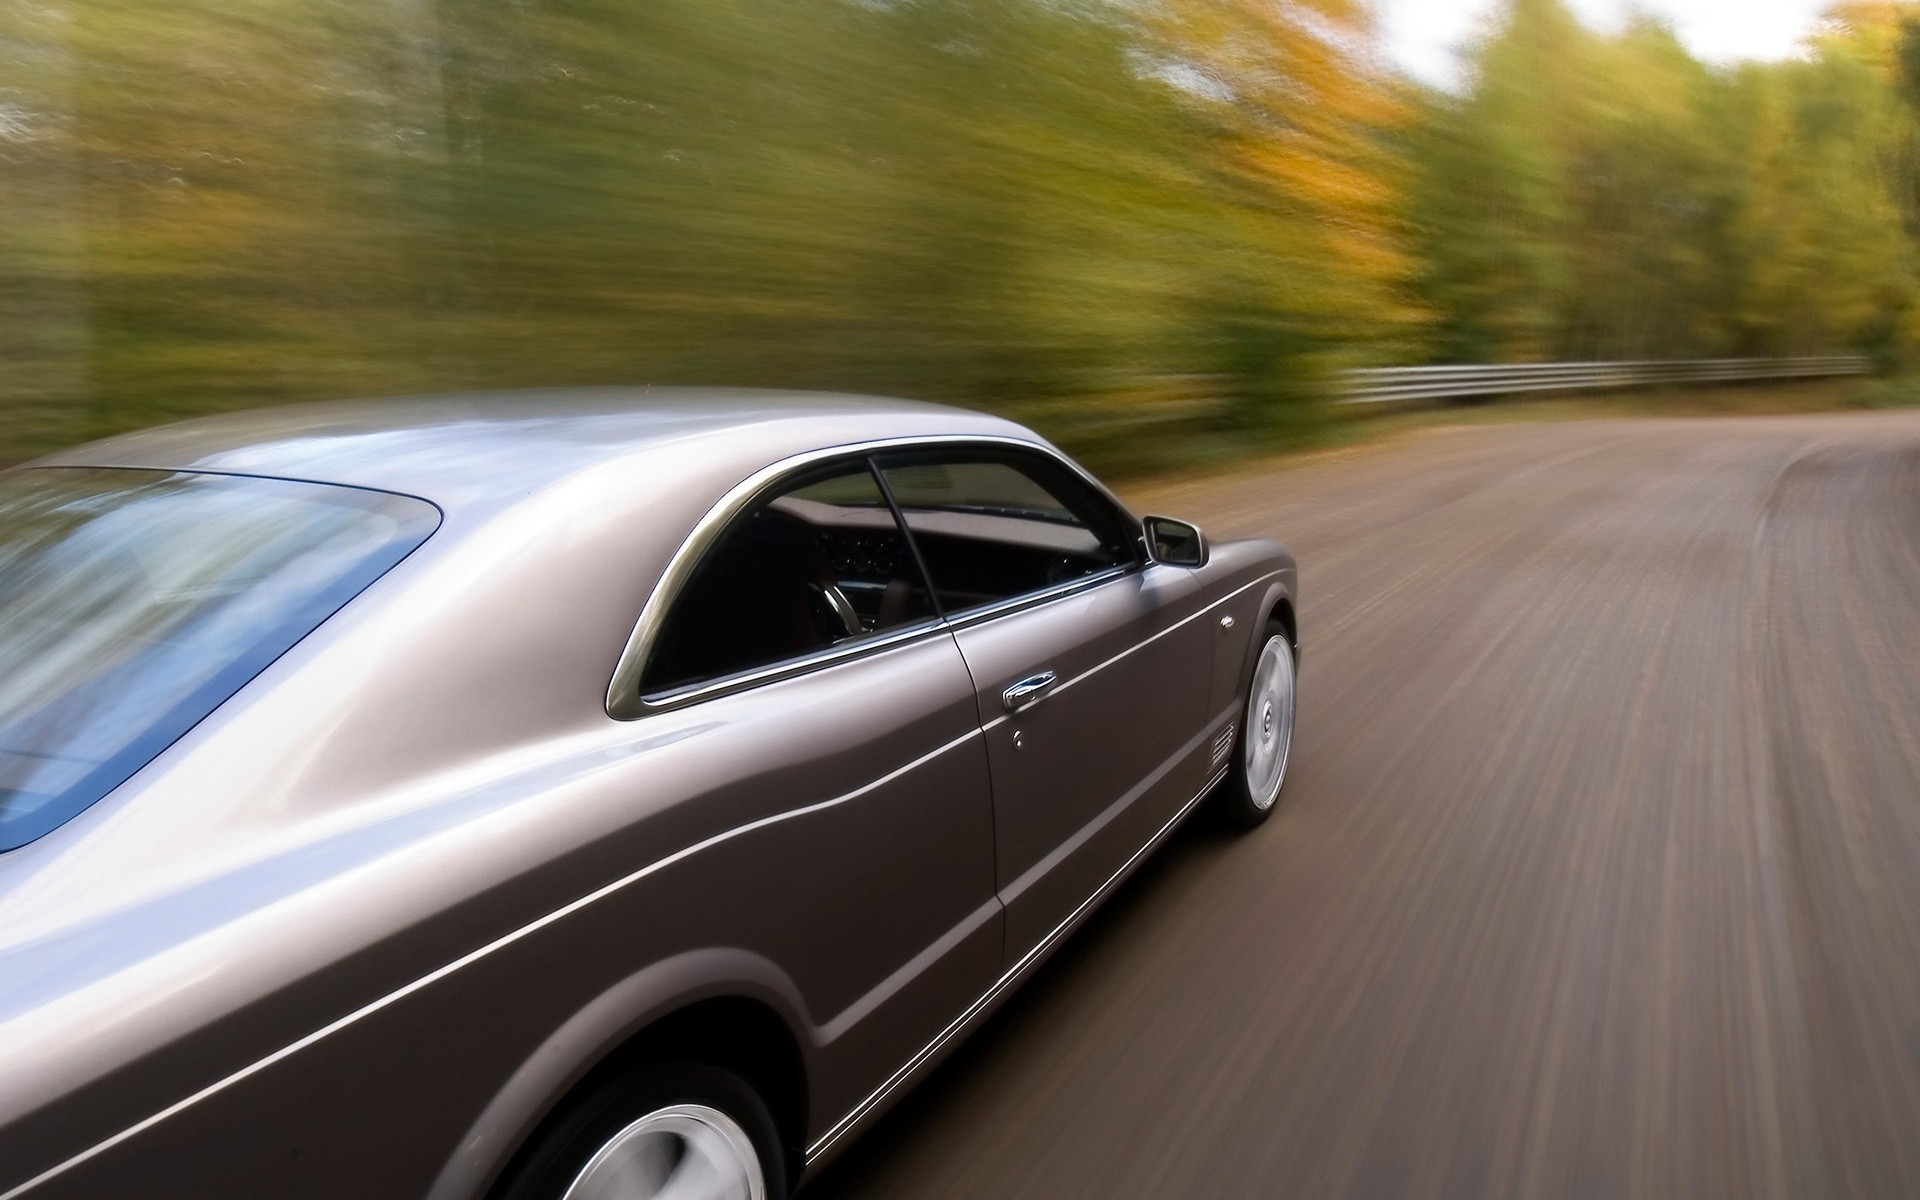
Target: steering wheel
pixel 842 608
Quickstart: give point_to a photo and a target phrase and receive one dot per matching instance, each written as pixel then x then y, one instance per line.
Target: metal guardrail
pixel 1386 384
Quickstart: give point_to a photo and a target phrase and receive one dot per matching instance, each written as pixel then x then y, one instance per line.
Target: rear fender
pixel 599 1029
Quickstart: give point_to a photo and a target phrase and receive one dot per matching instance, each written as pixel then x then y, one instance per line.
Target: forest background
pixel 1145 226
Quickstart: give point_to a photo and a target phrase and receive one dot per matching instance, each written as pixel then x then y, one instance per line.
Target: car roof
pixel 457 450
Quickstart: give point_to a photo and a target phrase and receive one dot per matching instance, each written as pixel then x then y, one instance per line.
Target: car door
pixel 802 684
pixel 1090 677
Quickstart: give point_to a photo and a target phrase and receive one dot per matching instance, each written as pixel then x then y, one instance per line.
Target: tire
pixel 1263 744
pixel 635 1136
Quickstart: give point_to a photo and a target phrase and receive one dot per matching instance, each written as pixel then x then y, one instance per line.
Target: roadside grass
pixel 1895 391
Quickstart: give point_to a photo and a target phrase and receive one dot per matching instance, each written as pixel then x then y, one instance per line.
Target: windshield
pixel 133 603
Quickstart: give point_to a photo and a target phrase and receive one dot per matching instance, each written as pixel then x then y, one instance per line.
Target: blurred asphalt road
pixel 1598 874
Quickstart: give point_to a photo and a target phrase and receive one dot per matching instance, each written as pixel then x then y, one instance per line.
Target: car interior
pixel 825 563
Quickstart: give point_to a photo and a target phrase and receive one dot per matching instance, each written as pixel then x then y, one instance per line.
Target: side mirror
pixel 1175 543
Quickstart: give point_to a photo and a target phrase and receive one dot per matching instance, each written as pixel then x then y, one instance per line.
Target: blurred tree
pixel 1145 225
pixel 1493 205
pixel 1303 114
pixel 1610 197
pixel 43 328
pixel 1029 204
pixel 1645 203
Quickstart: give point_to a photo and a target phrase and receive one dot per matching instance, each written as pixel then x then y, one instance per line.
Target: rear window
pixel 134 603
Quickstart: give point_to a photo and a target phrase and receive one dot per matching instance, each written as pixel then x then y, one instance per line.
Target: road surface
pixel 1598 874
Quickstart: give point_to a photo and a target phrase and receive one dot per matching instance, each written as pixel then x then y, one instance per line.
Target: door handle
pixel 1029 691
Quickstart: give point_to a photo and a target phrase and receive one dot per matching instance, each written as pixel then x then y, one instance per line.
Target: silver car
pixel 584 795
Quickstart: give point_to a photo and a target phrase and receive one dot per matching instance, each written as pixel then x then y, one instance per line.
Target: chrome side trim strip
pixel 471 957
pixel 878 995
pixel 1000 986
pixel 1063 851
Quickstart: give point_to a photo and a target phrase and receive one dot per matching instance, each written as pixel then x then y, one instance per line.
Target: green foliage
pixel 1589 197
pixel 1151 227
pixel 1896 391
pixel 217 203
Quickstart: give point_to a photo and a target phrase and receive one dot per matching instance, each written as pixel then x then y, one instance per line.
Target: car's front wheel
pixel 1265 735
pixel 673 1132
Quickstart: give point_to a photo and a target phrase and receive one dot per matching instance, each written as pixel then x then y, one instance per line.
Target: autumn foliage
pixel 1152 227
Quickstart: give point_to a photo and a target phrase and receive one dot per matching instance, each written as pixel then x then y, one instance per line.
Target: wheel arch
pixel 1276 606
pixel 741 1034
pixel 1281 610
pixel 725 1008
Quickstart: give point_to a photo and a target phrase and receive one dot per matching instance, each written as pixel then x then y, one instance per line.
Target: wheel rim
pixel 1268 738
pixel 685 1152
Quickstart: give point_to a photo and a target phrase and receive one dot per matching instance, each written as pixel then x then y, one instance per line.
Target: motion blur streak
pixel 1150 228
pixel 1596 877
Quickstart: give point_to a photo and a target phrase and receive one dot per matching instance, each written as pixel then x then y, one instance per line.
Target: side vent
pixel 1222 746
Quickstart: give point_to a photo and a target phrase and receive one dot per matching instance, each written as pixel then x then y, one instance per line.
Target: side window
pixel 993 527
pixel 820 564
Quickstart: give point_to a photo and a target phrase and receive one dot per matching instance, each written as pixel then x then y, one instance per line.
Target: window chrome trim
pixel 786 668
pixel 624 699
pixel 1000 608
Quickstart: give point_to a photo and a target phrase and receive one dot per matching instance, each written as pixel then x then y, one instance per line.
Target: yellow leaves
pixel 999 201
pixel 1863 18
pixel 1305 107
pixel 1866 29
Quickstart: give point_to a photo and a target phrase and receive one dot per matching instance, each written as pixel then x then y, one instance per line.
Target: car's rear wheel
pixel 668 1132
pixel 1259 771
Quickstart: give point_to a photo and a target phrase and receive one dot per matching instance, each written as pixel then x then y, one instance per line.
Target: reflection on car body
pixel 572 795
